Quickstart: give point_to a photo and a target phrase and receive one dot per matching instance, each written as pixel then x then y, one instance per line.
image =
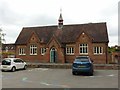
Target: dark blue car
pixel 82 64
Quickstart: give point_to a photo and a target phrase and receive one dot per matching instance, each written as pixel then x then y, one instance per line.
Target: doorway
pixel 53 55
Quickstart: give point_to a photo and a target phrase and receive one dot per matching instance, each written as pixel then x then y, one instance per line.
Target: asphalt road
pixel 58 78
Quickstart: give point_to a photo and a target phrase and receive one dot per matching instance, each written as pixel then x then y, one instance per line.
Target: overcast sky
pixel 16 14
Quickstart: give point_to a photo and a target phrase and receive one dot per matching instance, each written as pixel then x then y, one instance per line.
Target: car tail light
pixel 75 65
pixel 89 64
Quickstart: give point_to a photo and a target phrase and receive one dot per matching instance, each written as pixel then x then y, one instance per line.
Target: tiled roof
pixel 68 34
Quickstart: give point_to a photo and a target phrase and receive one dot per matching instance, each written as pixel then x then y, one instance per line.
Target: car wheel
pixel 25 67
pixel 73 73
pixel 2 70
pixel 91 74
pixel 13 69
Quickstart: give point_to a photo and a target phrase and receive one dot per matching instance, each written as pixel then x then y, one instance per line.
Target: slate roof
pixel 68 34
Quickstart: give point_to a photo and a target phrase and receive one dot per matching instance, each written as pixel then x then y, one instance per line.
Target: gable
pixel 84 37
pixel 53 42
pixel 33 38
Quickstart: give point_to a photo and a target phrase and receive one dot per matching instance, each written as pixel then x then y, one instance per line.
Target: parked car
pixel 82 64
pixel 13 64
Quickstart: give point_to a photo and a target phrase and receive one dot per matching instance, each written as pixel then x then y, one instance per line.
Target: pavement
pixel 58 78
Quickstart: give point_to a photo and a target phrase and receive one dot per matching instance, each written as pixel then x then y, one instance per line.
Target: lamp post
pixel 1 42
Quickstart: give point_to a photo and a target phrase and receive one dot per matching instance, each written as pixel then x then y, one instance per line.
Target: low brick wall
pixel 49 65
pixel 107 66
pixel 69 66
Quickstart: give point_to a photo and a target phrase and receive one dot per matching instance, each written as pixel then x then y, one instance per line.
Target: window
pixel 21 51
pixel 98 50
pixel 70 50
pixel 43 51
pixel 83 48
pixel 33 50
pixel 18 61
pixel 6 62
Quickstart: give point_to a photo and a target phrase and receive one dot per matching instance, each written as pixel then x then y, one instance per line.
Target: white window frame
pixel 70 50
pixel 33 49
pixel 97 50
pixel 43 51
pixel 22 51
pixel 83 46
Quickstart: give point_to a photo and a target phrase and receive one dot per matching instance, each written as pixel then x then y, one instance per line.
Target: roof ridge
pixel 40 26
pixel 64 25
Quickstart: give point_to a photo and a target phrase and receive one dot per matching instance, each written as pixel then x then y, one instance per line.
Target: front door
pixel 53 55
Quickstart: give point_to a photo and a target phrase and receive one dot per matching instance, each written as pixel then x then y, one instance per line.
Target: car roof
pixel 12 58
pixel 82 56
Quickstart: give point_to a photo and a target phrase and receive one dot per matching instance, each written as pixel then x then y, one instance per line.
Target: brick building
pixel 62 43
pixel 8 50
pixel 114 52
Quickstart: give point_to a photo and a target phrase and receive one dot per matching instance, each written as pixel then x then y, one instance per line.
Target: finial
pixel 60 10
pixel 60 20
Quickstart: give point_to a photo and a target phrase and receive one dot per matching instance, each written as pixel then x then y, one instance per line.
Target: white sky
pixel 16 14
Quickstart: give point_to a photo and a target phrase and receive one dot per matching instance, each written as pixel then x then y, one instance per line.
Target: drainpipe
pixel 65 54
pixel 106 53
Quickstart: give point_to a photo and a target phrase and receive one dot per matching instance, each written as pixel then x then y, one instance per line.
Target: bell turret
pixel 60 22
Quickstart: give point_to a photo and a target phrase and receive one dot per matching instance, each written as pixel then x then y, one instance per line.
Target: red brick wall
pixel 41 58
pixel 99 58
pixel 83 38
pixel 61 55
pixel 60 51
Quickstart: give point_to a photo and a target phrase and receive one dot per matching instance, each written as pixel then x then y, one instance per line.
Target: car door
pixel 21 63
pixel 17 63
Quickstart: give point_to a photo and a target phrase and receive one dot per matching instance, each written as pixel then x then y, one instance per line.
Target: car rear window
pixel 6 62
pixel 82 59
